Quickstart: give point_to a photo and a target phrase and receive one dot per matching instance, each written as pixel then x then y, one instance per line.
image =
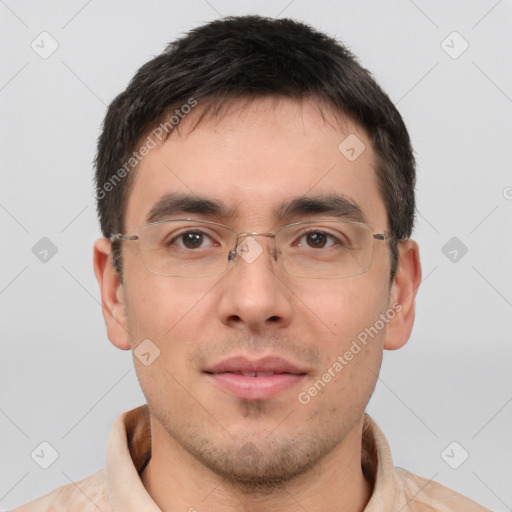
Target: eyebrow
pixel 333 204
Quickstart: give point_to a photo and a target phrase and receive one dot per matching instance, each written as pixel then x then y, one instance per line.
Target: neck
pixel 177 481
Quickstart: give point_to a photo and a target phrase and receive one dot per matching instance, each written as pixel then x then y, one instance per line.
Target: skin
pixel 253 157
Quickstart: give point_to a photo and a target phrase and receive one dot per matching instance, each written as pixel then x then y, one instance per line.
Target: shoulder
pixel 86 495
pixel 423 495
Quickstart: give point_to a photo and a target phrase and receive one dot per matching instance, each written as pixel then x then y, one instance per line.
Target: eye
pixel 317 239
pixel 190 240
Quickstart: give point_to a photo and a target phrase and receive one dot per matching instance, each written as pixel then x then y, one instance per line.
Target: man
pixel 255 191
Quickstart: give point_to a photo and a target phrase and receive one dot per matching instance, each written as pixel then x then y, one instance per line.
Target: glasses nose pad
pixel 250 249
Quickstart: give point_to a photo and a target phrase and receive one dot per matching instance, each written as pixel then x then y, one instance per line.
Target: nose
pixel 254 294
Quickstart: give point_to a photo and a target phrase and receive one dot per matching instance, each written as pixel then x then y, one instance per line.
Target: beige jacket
pixel 118 487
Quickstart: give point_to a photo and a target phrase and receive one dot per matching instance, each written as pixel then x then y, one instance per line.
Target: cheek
pixel 353 344
pixel 342 309
pixel 173 313
pixel 161 306
pixel 168 312
pixel 352 358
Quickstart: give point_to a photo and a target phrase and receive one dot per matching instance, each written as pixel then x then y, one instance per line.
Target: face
pixel 251 160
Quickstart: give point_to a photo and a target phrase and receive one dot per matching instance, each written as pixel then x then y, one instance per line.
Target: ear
pixel 113 303
pixel 403 294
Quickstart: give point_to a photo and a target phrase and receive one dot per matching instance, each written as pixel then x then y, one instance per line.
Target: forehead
pixel 253 162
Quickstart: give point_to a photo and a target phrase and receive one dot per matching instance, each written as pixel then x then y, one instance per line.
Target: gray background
pixel 61 381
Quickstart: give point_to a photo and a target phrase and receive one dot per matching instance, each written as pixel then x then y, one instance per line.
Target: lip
pixel 255 379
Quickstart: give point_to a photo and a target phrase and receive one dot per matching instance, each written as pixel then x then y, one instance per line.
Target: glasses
pixel 201 248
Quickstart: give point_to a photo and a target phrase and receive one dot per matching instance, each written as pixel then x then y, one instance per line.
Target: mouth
pixel 255 379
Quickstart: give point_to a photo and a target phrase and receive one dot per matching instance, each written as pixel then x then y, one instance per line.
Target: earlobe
pixel 403 296
pixel 112 295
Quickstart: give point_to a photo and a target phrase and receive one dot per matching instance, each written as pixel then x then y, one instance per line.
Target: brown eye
pixel 316 239
pixel 190 240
